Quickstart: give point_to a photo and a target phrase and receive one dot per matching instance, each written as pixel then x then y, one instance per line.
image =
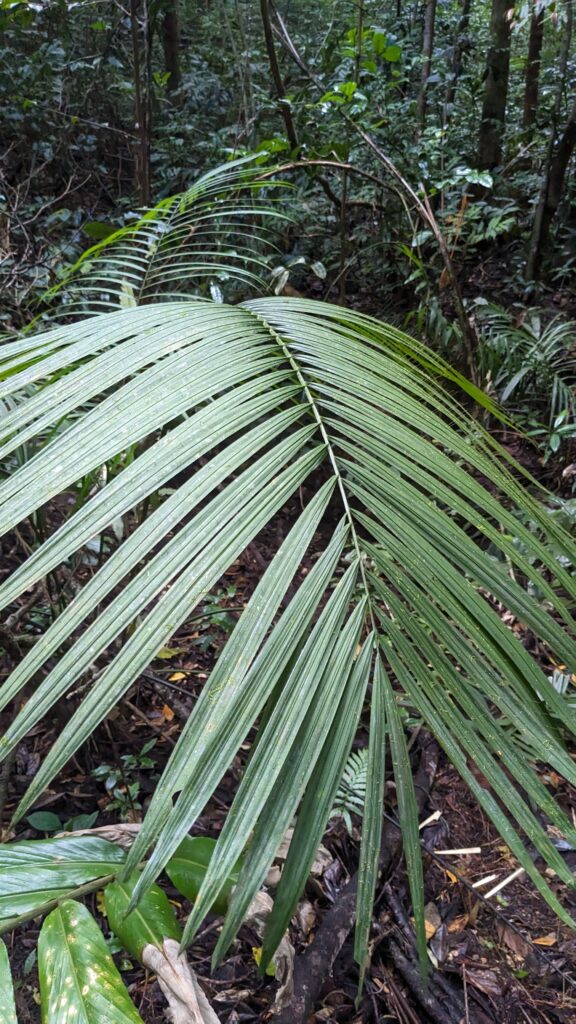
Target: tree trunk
pixel 496 87
pixel 457 59
pixel 555 188
pixel 279 88
pixel 142 118
pixel 171 45
pixel 556 163
pixel 533 68
pixel 427 46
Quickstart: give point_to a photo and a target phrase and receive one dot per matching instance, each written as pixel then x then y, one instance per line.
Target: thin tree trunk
pixel 556 177
pixel 276 75
pixel 533 68
pixel 427 47
pixel 171 45
pixel 457 59
pixel 553 173
pixel 140 58
pixel 496 87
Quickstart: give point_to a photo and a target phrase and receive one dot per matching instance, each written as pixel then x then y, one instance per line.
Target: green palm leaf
pixel 337 419
pixel 196 235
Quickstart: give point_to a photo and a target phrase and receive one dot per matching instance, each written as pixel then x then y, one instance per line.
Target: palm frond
pixel 217 233
pixel 242 406
pixel 531 360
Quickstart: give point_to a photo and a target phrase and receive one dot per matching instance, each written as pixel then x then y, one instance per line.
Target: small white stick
pixel 515 874
pixel 484 881
pixel 433 817
pixel 455 853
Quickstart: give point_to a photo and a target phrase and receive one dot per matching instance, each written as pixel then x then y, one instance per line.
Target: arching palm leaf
pixel 216 231
pixel 245 405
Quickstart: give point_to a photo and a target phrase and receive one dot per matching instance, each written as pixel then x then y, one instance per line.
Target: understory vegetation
pixel 288 492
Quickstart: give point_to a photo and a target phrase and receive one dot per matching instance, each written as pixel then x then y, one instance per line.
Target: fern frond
pixel 351 792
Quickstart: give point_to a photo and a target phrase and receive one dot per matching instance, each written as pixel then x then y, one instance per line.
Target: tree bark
pixel 171 45
pixel 533 68
pixel 556 178
pixel 457 59
pixel 142 119
pixel 496 87
pixel 427 46
pixel 279 89
pixel 556 162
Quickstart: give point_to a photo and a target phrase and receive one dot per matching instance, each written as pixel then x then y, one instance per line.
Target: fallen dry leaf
pixel 458 924
pixel 187 1003
pixel 283 959
pixel 432 920
pixel 546 940
pixel 513 940
pixel 485 981
pixel 122 834
pixel 305 917
pixel 322 860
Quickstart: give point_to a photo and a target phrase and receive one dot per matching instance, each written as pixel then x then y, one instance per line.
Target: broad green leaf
pixel 7 1004
pixel 98 229
pixel 187 870
pixel 33 872
pixel 44 821
pixel 153 920
pixel 78 978
pixel 392 53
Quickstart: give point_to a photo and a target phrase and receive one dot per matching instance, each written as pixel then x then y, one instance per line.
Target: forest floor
pixel 503 959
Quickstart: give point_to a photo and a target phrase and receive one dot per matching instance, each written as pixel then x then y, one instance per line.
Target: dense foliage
pixel 166 165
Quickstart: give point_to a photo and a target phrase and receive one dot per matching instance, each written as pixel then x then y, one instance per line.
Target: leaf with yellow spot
pixel 257 954
pixel 7 1005
pixel 79 981
pixel 169 652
